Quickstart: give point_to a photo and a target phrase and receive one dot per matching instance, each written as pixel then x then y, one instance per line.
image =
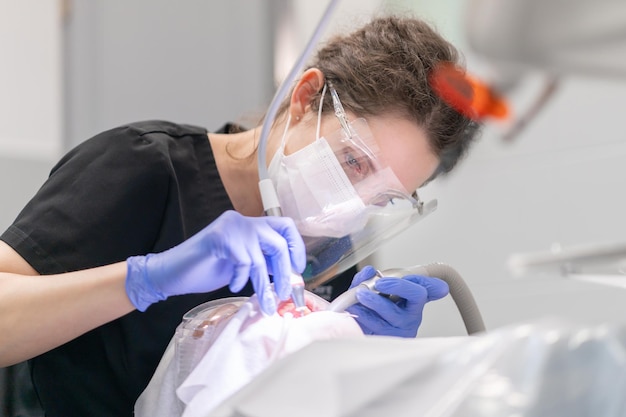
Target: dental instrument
pixel 297 293
pixel 459 291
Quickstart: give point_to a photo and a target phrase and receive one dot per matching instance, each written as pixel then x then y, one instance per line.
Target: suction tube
pixel 459 291
pixel 271 204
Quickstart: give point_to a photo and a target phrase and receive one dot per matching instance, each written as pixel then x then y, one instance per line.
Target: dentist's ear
pixel 311 82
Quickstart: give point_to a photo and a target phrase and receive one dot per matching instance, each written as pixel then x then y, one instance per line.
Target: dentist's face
pixel 402 143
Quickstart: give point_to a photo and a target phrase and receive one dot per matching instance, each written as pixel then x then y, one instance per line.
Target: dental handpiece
pixel 297 292
pixel 348 298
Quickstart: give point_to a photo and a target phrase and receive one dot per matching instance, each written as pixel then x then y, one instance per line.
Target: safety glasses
pixel 360 157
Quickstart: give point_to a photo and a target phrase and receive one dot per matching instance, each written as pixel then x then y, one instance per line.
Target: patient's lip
pixel 288 306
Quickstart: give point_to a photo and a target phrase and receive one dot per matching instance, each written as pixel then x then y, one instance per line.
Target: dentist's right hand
pixel 229 251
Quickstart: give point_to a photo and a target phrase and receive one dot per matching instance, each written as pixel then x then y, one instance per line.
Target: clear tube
pixel 278 98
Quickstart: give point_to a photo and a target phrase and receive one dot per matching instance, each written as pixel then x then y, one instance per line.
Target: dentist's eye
pixel 355 165
pixel 355 169
pixel 353 162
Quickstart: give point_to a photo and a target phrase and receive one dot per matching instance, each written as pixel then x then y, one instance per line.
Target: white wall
pixel 31 99
pixel 30 78
pixel 197 61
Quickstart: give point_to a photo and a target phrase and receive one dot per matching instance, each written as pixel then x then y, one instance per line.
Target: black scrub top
pixel 135 189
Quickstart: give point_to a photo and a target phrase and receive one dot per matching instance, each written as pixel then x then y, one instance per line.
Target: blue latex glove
pixel 378 315
pixel 229 251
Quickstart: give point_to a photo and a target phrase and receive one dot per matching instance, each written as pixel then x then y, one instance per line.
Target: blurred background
pixel 73 68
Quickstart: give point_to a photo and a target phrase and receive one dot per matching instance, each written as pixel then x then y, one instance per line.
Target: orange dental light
pixel 466 94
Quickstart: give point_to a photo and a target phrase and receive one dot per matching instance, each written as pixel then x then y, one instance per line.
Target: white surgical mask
pixel 314 190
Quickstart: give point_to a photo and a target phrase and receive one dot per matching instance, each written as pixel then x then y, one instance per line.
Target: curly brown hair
pixel 383 68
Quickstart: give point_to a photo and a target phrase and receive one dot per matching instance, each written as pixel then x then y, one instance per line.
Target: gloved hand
pixel 227 252
pixel 379 315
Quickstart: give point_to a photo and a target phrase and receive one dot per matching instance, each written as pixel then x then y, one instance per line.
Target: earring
pixel 297 118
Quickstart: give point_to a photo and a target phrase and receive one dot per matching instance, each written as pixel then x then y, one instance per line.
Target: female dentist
pixel 141 223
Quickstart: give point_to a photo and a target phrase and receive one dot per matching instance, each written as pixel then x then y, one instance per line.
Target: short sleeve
pixel 102 202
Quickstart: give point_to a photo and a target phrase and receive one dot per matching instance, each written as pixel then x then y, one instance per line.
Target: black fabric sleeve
pixel 113 183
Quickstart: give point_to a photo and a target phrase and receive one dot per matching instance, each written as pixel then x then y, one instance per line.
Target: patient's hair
pixel 383 68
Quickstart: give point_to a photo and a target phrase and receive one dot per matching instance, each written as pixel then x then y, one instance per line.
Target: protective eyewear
pixel 360 158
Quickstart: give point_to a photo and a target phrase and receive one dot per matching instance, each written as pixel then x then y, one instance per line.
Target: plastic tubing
pixel 268 193
pixel 459 291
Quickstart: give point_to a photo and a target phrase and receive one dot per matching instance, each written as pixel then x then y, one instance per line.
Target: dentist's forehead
pixel 405 147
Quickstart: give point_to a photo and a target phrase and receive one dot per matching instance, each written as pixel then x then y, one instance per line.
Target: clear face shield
pixel 344 197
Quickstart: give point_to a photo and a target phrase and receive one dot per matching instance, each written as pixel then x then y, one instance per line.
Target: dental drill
pixel 459 291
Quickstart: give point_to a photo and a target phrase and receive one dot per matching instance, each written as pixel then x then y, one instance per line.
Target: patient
pixel 222 345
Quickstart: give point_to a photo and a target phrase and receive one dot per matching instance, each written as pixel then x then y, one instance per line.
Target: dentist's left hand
pixel 229 251
pixel 378 315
